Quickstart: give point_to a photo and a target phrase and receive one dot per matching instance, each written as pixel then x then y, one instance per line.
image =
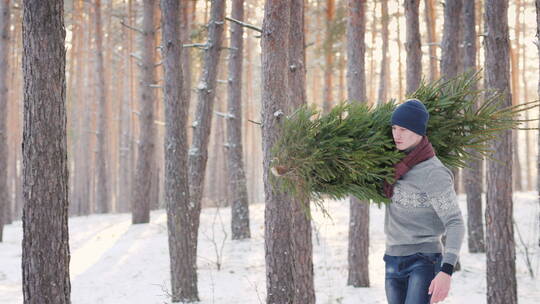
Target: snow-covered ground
pixel 115 262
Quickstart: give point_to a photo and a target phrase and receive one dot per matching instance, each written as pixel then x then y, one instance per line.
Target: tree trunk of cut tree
pixel 500 245
pixel 45 246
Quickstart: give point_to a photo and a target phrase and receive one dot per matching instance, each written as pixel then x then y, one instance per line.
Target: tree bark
pixel 473 173
pixel 358 254
pixel 5 201
pixel 537 5
pixel 45 252
pixel 125 149
pixel 384 75
pixel 328 58
pixel 234 147
pixel 278 243
pixel 341 86
pixel 185 37
pixel 514 75
pixel 86 146
pixel 501 255
pixel 146 163
pixel 528 144
pixel 450 40
pixel 183 262
pixel 102 156
pixel 371 48
pixel 400 65
pixel 413 46
pixel 431 20
pixel 304 289
pixel 198 153
pixel 450 57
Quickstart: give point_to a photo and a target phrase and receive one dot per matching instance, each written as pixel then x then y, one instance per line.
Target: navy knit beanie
pixel 412 115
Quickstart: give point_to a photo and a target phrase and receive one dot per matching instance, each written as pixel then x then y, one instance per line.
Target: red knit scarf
pixel 423 151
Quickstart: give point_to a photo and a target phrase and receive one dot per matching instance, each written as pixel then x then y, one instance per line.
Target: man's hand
pixel 439 287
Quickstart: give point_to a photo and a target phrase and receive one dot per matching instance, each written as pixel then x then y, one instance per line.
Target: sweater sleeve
pixel 442 197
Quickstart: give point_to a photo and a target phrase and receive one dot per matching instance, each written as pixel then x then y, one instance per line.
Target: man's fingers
pixel 435 296
pixel 430 290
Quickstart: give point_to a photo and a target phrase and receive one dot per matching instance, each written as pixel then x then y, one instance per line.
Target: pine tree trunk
pixel 384 75
pixel 473 173
pixel 185 36
pixel 450 40
pixel 413 45
pixel 358 254
pixel 7 41
pixel 16 95
pixel 5 201
pixel 102 156
pixel 341 85
pixel 278 243
pixel 234 147
pixel 371 48
pixel 500 245
pixel 78 169
pixel 537 5
pixel 528 144
pixel 198 154
pixel 400 65
pixel 431 20
pixel 304 289
pixel 158 132
pixel 182 261
pixel 85 144
pixel 317 78
pixel 146 163
pixel 124 179
pixel 45 252
pixel 328 100
pixel 450 56
pixel 254 162
pixel 216 191
pixel 514 74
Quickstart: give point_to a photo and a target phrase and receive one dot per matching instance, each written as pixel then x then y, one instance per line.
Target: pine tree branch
pixel 249 26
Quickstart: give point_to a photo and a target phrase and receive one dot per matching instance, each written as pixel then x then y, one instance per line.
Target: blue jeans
pixel 408 277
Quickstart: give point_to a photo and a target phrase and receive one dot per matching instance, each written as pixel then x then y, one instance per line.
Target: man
pixel 424 206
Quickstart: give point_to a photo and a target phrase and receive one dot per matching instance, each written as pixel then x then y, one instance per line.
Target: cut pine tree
pixel 350 150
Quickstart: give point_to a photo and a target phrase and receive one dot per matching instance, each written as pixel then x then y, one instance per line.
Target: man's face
pixel 405 138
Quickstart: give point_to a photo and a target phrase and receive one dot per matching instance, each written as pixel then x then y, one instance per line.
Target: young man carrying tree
pixel 424 206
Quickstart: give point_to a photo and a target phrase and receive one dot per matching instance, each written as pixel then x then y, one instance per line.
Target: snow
pixel 116 262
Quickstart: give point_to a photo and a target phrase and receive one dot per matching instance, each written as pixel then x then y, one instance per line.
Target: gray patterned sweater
pixel 424 206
